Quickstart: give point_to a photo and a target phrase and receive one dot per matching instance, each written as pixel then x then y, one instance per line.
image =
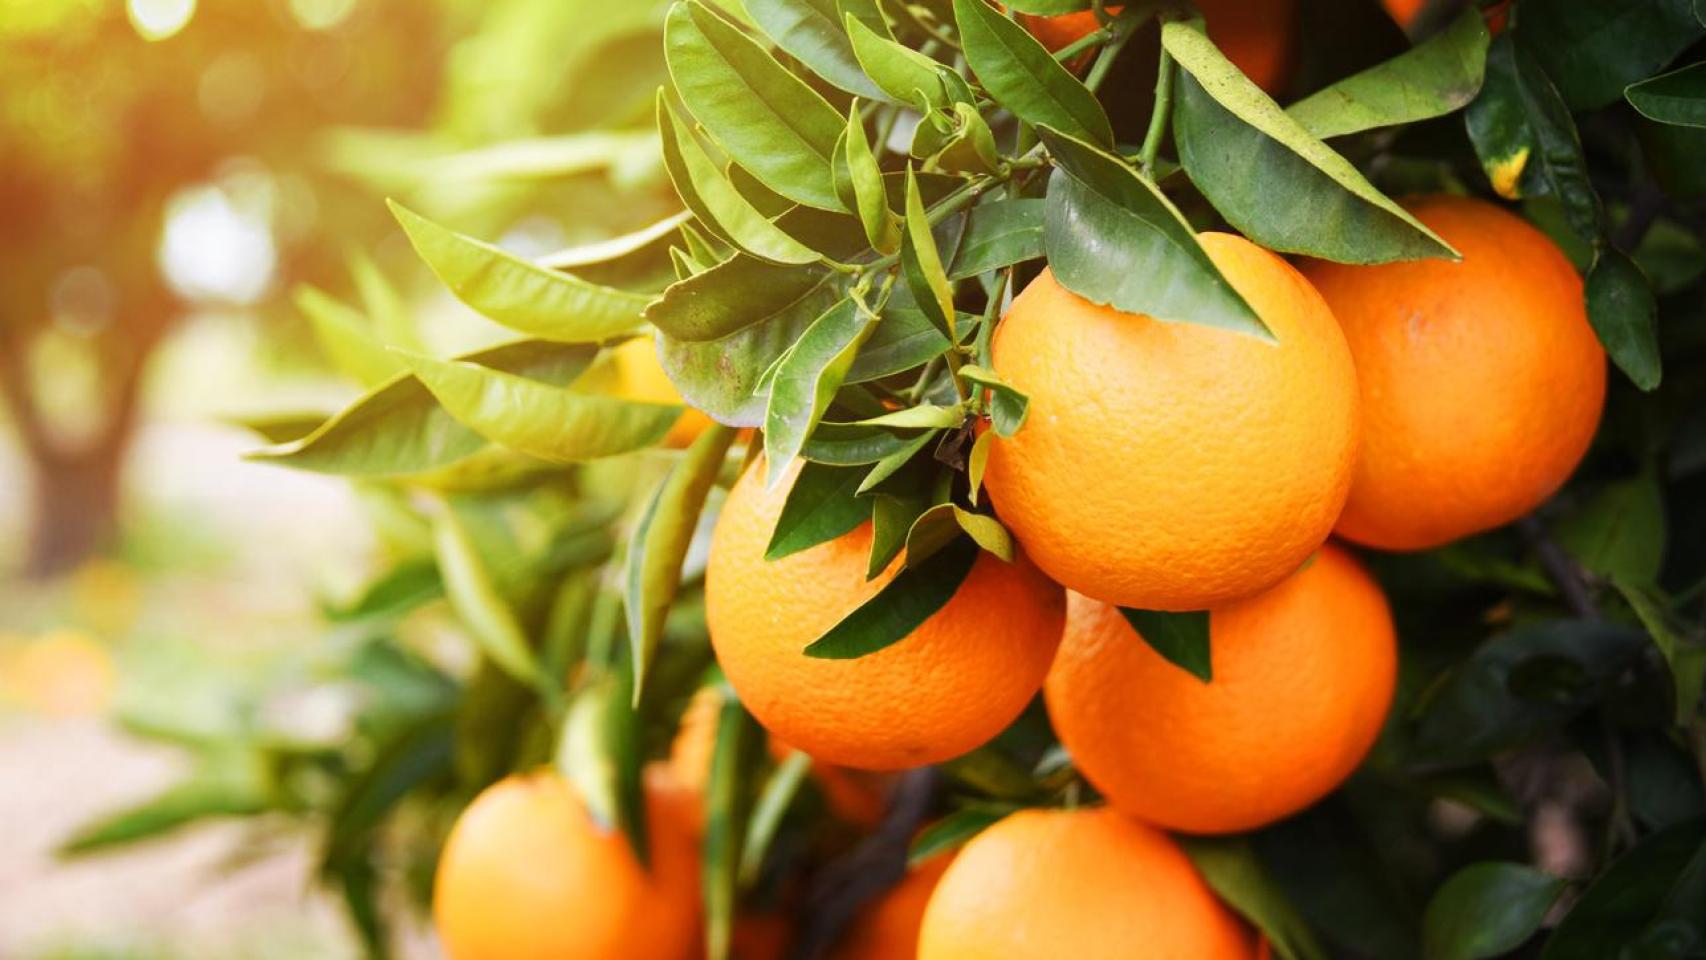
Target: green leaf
pixel 870 198
pixel 1620 532
pixel 1677 98
pixel 393 322
pixel 1021 74
pixel 810 30
pixel 520 295
pixel 599 753
pixel 808 377
pixel 999 234
pixel 1113 238
pixel 738 293
pixel 904 74
pixel 417 754
pixel 1007 406
pixel 986 531
pixel 1233 871
pixel 709 194
pixel 399 429
pixel 1638 895
pixel 721 377
pixel 551 423
pixel 225 786
pixel 977 462
pixel 1527 141
pixel 922 416
pixel 921 261
pixel 768 120
pixel 851 445
pixel 901 607
pixel 891 464
pixel 725 820
pixel 1685 656
pixel 970 148
pixel 1487 910
pixel 1473 713
pixel 905 339
pixel 777 795
pixel 632 261
pixel 1279 186
pixel 1593 49
pixel 1625 316
pixel 892 520
pixel 346 337
pixel 1182 639
pixel 1438 76
pixel 478 604
pixel 951 832
pixel 820 506
pixel 658 546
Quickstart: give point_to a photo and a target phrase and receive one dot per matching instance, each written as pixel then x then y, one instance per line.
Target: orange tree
pixel 997 352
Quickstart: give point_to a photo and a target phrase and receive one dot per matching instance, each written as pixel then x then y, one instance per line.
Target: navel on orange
pixel 1173 466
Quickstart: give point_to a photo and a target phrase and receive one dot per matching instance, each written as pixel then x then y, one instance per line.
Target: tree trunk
pixel 76 506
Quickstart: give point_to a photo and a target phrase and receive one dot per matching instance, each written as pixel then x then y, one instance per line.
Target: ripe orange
pixel 1482 381
pixel 1303 677
pixel 527 875
pixel 1083 884
pixel 1172 466
pixel 1404 11
pixel 956 681
pixel 1258 36
pixel 641 377
pixel 888 928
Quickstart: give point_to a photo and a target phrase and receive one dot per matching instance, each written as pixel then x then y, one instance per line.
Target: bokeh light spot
pixel 159 19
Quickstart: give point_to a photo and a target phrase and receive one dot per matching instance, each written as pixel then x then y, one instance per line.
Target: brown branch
pixel 1560 568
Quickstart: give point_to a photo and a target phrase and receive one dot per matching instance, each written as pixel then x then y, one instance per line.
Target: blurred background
pixel 191 214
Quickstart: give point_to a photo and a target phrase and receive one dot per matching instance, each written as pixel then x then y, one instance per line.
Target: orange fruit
pixel 1303 676
pixel 1482 381
pixel 1404 11
pixel 1258 36
pixel 956 681
pixel 888 928
pixel 641 377
pixel 1086 884
pixel 527 875
pixel 1172 466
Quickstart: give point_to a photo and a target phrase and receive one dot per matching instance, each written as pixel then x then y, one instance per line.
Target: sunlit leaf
pixel 921 261
pixel 346 337
pixel 477 601
pixel 820 506
pixel 811 31
pixel 1021 74
pixel 870 198
pixel 807 377
pixel 1007 406
pixel 738 293
pixel 903 74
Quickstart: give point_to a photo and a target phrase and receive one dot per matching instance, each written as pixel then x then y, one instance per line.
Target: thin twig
pixel 1560 569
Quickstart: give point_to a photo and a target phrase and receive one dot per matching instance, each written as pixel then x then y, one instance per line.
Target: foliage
pixel 862 187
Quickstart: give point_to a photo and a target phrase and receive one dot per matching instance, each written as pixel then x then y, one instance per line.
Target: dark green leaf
pixel 1634 895
pixel 778 794
pixel 951 832
pixel 807 377
pixel 1487 910
pixel 420 753
pixel 903 605
pixel 1007 406
pixel 1182 639
pixel 1685 656
pixel 1020 73
pixel 1113 238
pixel 1625 316
pixel 770 121
pixel 1593 49
pixel 1437 77
pixel 1231 869
pixel 998 235
pixel 892 520
pixel 520 295
pixel 702 185
pixel 551 423
pixel 850 445
pixel 659 543
pixel 1281 187
pixel 1621 531
pixel 1677 98
pixel 811 31
pixel 904 339
pixel 726 796
pixel 820 506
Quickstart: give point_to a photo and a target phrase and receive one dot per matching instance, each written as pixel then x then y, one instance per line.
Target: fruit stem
pixel 1159 117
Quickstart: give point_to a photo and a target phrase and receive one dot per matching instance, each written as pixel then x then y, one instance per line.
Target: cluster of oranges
pixel 1163 467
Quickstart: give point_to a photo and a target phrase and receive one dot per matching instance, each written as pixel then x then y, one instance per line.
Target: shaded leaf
pixel 1593 49
pixel 1625 316
pixel 904 339
pixel 1685 656
pixel 997 235
pixel 1620 532
pixel 1113 238
pixel 599 754
pixel 477 602
pixel 951 832
pixel 1182 639
pixel 820 506
pixel 892 520
pixel 851 445
pixel 1677 97
pixel 1487 910
pixel 1007 406
pixel 912 597
pixel 520 295
pixel 774 799
pixel 1234 873
pixel 1281 187
pixel 725 822
pixel 1634 895
pixel 658 546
